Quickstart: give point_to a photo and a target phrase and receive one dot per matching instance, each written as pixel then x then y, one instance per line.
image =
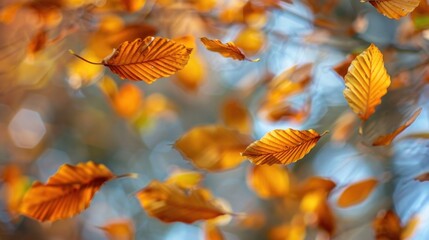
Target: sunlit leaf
pixel 185 179
pixel 282 146
pixel 296 230
pixel 387 225
pixel 235 115
pixel 315 183
pixel 357 192
pixel 387 139
pixel 119 230
pixel 268 181
pixel 394 8
pixel 16 184
pixel 314 204
pixel 212 232
pixel 133 5
pixel 366 82
pixel 250 40
pixel 128 101
pixel 169 203
pixel 228 49
pixel 67 193
pixel 213 148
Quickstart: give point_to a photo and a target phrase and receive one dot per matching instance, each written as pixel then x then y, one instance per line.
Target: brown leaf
pixel 282 146
pixel 387 225
pixel 212 147
pixel 394 8
pixel 235 115
pixel 169 203
pixel 343 67
pixel 225 49
pixel 268 181
pixel 67 193
pixel 422 177
pixel 357 192
pixel 387 139
pixel 15 186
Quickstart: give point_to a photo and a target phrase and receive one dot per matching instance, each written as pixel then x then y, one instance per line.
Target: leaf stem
pixel 81 58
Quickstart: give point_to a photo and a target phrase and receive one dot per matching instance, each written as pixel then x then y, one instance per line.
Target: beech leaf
pixel 228 49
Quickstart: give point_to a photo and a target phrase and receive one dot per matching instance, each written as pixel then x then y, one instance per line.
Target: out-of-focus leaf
pixel 235 115
pixel 228 49
pixel 387 225
pixel 343 127
pixel 185 179
pixel 82 74
pixel 67 193
pixel 268 181
pixel 169 203
pixel 128 101
pixel 366 82
pixel 422 177
pixel 315 183
pixel 314 204
pixel 212 232
pixel 282 146
pixel 254 15
pixel 108 86
pixel 343 67
pixel 133 5
pixel 394 8
pixel 212 147
pixel 252 220
pixel 385 140
pixel 16 184
pixel 122 229
pixel 357 192
pixel 409 229
pixel 284 111
pixel 250 40
pixel 296 230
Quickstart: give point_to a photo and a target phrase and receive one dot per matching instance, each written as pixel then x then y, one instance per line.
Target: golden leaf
pixel 133 5
pixel 122 229
pixel 212 232
pixel 366 82
pixel 169 203
pixel 296 230
pixel 282 146
pixel 343 127
pixel 185 179
pixel 409 229
pixel 315 183
pixel 394 8
pixel 213 148
pixel 235 115
pixel 387 225
pixel 67 193
pixel 250 40
pixel 15 186
pixel 387 139
pixel 128 101
pixel 268 181
pixel 228 49
pixel 315 205
pixel 357 192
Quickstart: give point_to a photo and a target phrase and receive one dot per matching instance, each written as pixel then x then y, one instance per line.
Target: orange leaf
pixel 409 229
pixel 128 100
pixel 212 232
pixel 394 8
pixel 169 203
pixel 119 230
pixel 385 140
pixel 268 181
pixel 357 192
pixel 235 115
pixel 225 49
pixel 343 127
pixel 15 186
pixel 282 146
pixel 213 148
pixel 185 179
pixel 67 193
pixel 422 177
pixel 315 183
pixel 387 225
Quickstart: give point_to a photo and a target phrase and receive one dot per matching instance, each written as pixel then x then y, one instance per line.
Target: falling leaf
pixel 315 183
pixel 387 225
pixel 128 101
pixel 387 139
pixel 284 111
pixel 394 8
pixel 235 115
pixel 133 5
pixel 213 148
pixel 366 82
pixel 342 67
pixel 15 184
pixel 296 230
pixel 185 179
pixel 147 60
pixel 212 232
pixel 343 127
pixel 122 229
pixel 250 40
pixel 409 229
pixel 314 204
pixel 67 193
pixel 228 49
pixel 357 192
pixel 169 203
pixel 268 181
pixel 422 177
pixel 282 146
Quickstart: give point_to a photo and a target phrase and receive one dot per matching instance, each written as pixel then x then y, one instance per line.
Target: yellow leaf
pixel 185 179
pixel 235 115
pixel 119 230
pixel 213 148
pixel 282 146
pixel 133 5
pixel 128 101
pixel 108 86
pixel 394 8
pixel 366 82
pixel 250 40
pixel 409 229
pixel 212 232
pixel 169 203
pixel 268 181
pixel 81 74
pixel 387 225
pixel 296 230
pixel 15 184
pixel 357 192
pixel 387 139
pixel 315 183
pixel 67 193
pixel 225 49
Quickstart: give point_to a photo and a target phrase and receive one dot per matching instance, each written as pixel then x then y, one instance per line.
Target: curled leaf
pixel 366 82
pixel 228 49
pixel 394 8
pixel 282 146
pixel 268 181
pixel 357 192
pixel 169 203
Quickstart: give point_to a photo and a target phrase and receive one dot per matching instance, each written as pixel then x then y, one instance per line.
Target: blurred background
pixel 57 109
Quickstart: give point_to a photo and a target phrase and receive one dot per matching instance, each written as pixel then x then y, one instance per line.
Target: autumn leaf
pixel 212 147
pixel 366 82
pixel 133 5
pixel 228 49
pixel 147 60
pixel 394 8
pixel 315 205
pixel 185 179
pixel 169 203
pixel 15 186
pixel 387 139
pixel 212 232
pixel 357 192
pixel 128 101
pixel 387 225
pixel 67 193
pixel 343 127
pixel 315 183
pixel 422 177
pixel 235 115
pixel 282 146
pixel 296 230
pixel 122 229
pixel 268 181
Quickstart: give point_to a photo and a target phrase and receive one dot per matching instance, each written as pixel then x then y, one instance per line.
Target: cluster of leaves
pixel 131 51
